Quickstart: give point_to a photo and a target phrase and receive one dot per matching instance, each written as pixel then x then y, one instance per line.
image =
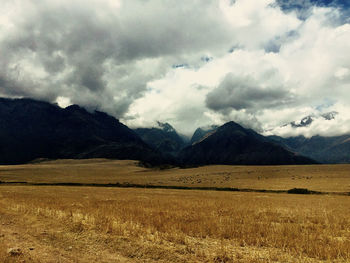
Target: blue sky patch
pixel 303 7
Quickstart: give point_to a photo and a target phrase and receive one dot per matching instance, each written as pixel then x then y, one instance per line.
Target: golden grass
pixel 326 178
pixel 87 224
pixel 93 224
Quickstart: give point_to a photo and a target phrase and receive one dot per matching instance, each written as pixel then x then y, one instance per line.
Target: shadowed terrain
pixel 31 129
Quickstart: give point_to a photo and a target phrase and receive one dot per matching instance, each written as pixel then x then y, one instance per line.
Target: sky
pixel 261 63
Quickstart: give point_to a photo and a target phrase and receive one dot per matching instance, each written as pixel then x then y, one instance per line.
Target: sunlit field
pixel 325 178
pixel 112 224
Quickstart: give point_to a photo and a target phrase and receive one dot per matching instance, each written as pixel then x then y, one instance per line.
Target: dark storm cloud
pixel 148 60
pixel 236 92
pixel 93 54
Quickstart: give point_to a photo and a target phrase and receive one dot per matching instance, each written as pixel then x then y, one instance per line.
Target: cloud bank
pixel 261 63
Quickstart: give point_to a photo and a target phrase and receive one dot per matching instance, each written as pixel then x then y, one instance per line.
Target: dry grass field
pixel 325 178
pixel 86 224
pixel 110 224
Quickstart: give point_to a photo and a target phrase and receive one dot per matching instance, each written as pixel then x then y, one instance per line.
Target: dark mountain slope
pixel 322 149
pixel 165 138
pixel 201 132
pixel 233 144
pixel 31 129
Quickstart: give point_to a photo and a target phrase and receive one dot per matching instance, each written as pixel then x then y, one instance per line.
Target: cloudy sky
pixel 261 63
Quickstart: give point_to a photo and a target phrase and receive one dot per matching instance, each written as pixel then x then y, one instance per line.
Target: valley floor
pixel 86 224
pixel 105 224
pixel 324 178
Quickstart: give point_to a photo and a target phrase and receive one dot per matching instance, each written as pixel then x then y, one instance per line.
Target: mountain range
pixel 323 149
pixel 233 144
pixel 31 129
pixel 306 121
pixel 335 149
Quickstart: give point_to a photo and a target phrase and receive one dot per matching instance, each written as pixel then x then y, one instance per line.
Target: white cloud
pixel 119 57
pixel 257 22
pixel 320 126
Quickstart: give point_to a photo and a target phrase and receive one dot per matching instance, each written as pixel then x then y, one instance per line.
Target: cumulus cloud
pixel 239 92
pixel 191 64
pixel 310 67
pixel 330 123
pixel 98 53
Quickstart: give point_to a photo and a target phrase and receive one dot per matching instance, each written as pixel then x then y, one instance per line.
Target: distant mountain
pixel 330 115
pixel 201 132
pixel 303 123
pixel 31 129
pixel 332 149
pixel 322 149
pixel 163 138
pixel 233 144
pixel 306 121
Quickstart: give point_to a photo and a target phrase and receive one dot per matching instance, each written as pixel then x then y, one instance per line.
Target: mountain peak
pixel 330 115
pixel 48 131
pixel 163 138
pixel 202 132
pixel 165 126
pixel 307 121
pixel 233 144
pixel 75 108
pixel 231 124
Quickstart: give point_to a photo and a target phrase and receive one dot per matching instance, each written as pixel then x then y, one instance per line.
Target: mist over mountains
pixel 31 129
pixel 192 64
pixel 163 138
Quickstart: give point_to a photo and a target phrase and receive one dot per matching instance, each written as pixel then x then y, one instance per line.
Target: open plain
pixel 324 178
pixel 72 223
